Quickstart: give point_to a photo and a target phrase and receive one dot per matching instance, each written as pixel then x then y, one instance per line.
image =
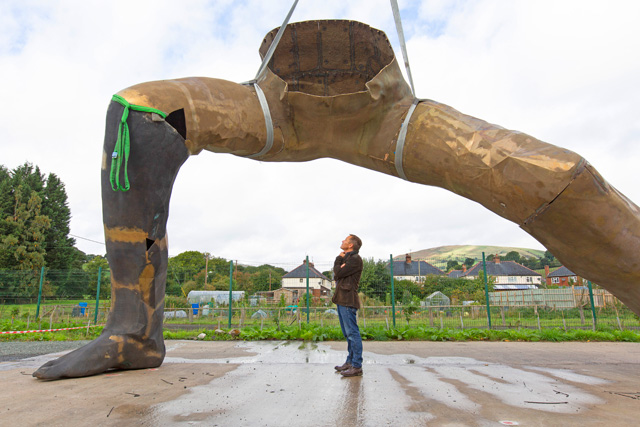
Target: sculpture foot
pixel 107 352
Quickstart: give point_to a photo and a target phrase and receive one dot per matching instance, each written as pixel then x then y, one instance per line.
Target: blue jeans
pixel 350 330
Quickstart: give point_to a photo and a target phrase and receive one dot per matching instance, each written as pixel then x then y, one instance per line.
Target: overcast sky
pixel 566 72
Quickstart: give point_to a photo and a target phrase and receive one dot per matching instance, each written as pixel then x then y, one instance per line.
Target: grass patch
pixel 317 333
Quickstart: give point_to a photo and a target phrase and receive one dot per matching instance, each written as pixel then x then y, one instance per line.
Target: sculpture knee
pixel 156 153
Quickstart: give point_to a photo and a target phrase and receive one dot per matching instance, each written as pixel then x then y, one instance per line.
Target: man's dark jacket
pixel 347 279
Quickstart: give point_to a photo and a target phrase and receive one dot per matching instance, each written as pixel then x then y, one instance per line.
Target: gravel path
pixel 17 350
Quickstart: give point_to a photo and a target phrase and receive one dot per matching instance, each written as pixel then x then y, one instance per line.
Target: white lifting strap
pixel 401 138
pixel 403 47
pixel 263 100
pixel 405 124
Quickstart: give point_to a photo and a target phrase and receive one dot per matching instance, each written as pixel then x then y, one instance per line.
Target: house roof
pixel 301 272
pixel 562 272
pixel 456 274
pixel 415 268
pixel 503 268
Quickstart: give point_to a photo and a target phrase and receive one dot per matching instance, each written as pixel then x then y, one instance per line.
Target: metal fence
pixel 451 317
pixel 81 296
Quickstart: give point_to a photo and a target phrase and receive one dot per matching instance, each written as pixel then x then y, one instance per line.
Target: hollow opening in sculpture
pixel 177 120
pixel 327 58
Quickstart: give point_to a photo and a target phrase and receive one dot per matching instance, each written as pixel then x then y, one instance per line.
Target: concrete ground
pixel 293 383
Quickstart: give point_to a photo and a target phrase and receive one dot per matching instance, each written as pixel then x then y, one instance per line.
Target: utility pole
pixel 206 268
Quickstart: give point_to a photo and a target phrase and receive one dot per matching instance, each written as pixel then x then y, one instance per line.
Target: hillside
pixel 470 251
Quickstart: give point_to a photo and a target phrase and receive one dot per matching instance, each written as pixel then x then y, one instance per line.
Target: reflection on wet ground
pixel 288 382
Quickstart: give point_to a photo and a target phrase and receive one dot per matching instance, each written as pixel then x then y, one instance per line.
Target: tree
pixel 267 278
pixel 61 253
pixel 453 265
pixel 22 243
pixel 512 256
pixel 92 267
pixel 30 204
pixel 550 260
pixel 375 278
pixel 183 268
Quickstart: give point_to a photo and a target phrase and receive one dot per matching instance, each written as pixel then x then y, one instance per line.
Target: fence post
pixel 486 289
pixel 307 260
pixel 40 291
pixel 95 319
pixel 393 295
pixel 230 289
pixel 593 308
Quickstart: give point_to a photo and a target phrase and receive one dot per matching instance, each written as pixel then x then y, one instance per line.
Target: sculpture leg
pixel 595 231
pixel 551 193
pixel 135 233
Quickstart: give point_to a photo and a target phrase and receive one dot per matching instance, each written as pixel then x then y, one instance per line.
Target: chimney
pixel 546 271
pixel 304 261
pixel 496 259
pixel 408 258
pixel 464 268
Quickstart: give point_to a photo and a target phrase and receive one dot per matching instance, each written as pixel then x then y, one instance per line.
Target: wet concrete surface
pixel 293 383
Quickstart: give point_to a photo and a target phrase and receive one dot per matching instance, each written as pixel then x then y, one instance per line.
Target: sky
pixel 566 72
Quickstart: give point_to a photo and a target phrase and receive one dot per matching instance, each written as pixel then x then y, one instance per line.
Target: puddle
pixel 284 383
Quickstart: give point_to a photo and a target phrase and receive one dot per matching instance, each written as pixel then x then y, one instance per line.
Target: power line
pixel 84 238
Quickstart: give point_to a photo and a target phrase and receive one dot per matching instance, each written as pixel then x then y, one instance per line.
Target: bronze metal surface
pixel 335 90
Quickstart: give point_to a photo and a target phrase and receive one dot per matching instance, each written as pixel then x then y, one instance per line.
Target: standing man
pixel 346 271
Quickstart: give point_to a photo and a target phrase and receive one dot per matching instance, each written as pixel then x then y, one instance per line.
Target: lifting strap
pixel 405 124
pixel 263 100
pixel 403 47
pixel 123 142
pixel 401 138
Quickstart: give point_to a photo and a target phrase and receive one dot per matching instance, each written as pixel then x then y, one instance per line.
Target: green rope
pixel 122 147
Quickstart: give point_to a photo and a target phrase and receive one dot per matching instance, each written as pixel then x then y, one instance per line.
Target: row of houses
pixel 507 275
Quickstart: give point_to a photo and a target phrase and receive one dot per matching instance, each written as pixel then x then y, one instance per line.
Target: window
pixel 555 280
pixel 512 279
pixel 528 279
pixel 301 280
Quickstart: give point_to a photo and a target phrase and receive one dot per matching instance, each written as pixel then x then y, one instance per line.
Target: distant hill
pixel 469 251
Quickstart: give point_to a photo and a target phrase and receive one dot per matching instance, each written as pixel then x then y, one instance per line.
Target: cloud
pixel 564 72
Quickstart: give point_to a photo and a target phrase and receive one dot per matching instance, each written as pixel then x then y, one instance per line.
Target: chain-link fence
pixel 431 292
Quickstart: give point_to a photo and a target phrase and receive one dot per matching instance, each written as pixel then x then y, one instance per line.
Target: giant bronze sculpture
pixel 333 89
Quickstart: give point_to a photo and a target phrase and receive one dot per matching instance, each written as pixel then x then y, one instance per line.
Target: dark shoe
pixel 343 367
pixel 352 372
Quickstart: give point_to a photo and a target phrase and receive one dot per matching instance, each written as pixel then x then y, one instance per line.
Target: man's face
pixel 346 244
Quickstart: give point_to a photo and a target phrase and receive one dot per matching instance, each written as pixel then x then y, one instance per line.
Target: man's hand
pixel 342 254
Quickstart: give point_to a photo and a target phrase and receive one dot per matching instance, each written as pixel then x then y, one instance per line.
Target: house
pixel 507 275
pixel 562 277
pixel 416 271
pixel 290 296
pixel 296 280
pixel 275 297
